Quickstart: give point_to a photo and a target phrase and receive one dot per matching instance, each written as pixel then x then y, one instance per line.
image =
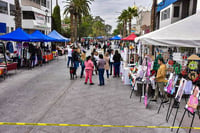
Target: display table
pixel 48 57
pixel 10 66
pixel 125 75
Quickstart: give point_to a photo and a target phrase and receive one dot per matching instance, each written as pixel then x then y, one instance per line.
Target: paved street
pixel 46 95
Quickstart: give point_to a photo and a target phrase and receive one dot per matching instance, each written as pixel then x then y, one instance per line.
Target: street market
pixel 92 66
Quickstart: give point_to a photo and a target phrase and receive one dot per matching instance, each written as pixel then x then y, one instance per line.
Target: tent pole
pixel 4 53
pixel 64 52
pixel 22 55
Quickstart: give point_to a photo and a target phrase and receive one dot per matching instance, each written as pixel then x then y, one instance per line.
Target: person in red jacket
pixel 89 67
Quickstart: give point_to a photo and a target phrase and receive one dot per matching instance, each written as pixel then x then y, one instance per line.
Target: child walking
pixel 89 66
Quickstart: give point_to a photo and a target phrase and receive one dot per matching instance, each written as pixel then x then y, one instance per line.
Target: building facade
pixel 171 11
pixel 7 13
pixel 36 15
pixel 143 22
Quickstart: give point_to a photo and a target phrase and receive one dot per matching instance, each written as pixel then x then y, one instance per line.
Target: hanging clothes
pixel 9 47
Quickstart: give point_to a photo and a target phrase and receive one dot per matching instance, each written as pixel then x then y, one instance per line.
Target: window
pixel 36 1
pixel 43 2
pixel 12 29
pixel 48 4
pixel 12 10
pixel 3 7
pixel 28 15
pixel 176 11
pixel 165 14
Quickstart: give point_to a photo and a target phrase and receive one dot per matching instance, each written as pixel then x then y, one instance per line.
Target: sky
pixel 109 10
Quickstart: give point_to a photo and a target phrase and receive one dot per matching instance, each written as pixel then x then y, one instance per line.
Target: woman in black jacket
pixel 117 60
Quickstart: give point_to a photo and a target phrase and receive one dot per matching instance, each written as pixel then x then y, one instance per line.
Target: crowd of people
pixel 95 63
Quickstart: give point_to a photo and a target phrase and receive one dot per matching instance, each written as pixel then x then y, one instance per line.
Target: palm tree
pixel 69 9
pixel 18 17
pixel 124 18
pixel 132 12
pixel 76 9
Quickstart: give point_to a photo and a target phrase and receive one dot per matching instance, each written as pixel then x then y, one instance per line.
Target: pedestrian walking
pixel 69 53
pixel 96 59
pixel 83 58
pixel 160 79
pixel 104 48
pixel 107 66
pixel 39 56
pixel 89 66
pixel 75 59
pixel 101 64
pixel 111 61
pixel 117 60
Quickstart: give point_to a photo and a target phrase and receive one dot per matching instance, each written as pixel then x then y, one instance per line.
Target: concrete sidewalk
pixel 46 95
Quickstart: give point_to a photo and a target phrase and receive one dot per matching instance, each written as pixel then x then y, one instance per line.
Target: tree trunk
pixel 18 17
pixel 79 24
pixel 153 15
pixel 130 26
pixel 72 27
pixel 75 27
pixel 125 28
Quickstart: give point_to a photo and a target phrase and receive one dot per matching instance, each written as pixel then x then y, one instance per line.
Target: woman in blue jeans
pixel 101 64
pixel 117 60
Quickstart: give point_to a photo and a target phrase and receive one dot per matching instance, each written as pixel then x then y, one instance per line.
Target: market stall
pixel 178 45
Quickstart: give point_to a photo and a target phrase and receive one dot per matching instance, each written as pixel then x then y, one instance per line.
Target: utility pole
pixel 153 15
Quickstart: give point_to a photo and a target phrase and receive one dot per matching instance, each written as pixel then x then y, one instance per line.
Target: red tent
pixel 130 37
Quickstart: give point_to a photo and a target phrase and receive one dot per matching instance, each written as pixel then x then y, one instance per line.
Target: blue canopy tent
pixel 54 34
pixel 43 37
pixel 116 38
pixel 100 37
pixel 20 36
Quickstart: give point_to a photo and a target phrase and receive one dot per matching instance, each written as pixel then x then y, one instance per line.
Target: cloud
pixel 109 10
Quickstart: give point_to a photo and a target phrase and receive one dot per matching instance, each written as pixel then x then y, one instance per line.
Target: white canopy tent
pixel 184 33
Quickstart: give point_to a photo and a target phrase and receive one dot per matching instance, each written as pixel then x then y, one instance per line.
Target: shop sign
pixel 40 19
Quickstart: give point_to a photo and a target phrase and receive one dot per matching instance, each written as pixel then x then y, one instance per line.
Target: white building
pixel 36 15
pixel 171 11
pixel 143 22
pixel 7 12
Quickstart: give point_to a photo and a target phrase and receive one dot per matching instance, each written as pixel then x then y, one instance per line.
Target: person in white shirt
pixel 70 50
pixel 111 61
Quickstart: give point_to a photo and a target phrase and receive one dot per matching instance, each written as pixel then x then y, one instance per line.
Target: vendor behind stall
pixel 160 80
